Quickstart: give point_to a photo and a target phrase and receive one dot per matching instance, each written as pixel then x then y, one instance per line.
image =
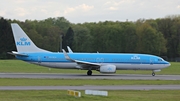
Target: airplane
pixel 102 62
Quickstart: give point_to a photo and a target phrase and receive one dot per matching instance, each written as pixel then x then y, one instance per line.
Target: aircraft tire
pixel 89 72
pixel 153 74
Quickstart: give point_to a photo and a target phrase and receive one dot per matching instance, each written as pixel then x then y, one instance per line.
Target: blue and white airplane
pixel 102 62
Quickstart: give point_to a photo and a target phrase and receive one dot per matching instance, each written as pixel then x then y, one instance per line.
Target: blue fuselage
pixel 122 61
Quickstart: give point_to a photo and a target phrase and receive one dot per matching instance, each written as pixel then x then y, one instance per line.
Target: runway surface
pixel 83 76
pixel 129 87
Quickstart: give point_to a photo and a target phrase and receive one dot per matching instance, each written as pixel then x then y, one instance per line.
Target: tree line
pixel 151 36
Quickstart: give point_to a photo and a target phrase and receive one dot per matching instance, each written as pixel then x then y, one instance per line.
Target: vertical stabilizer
pixel 22 41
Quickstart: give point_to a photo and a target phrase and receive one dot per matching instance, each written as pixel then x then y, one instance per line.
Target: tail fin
pixel 22 41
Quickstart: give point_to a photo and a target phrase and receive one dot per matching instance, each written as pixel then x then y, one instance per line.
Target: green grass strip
pixel 120 95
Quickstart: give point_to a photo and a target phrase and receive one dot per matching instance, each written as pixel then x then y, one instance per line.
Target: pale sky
pixel 80 11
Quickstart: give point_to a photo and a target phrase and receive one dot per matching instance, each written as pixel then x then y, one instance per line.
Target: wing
pixel 82 64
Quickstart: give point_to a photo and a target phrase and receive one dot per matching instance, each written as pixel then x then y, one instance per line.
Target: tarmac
pixel 83 76
pixel 94 87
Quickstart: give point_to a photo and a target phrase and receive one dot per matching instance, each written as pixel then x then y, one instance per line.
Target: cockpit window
pixel 160 60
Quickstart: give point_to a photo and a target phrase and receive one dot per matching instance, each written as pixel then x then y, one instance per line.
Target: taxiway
pixel 123 87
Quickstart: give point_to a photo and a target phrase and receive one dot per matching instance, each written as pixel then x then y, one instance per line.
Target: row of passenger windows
pixel 96 59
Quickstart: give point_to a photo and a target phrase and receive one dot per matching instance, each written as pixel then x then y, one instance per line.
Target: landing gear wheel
pixel 89 72
pixel 153 74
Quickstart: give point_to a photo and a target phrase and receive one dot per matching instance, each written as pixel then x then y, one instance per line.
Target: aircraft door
pixel 151 61
pixel 39 59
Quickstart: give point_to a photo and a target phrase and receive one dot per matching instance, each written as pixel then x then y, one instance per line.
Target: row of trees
pixel 159 37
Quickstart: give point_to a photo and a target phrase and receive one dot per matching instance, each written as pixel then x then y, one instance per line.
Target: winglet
pixel 66 55
pixel 69 49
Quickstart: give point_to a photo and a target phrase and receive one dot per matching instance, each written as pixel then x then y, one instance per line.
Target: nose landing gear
pixel 153 71
pixel 153 74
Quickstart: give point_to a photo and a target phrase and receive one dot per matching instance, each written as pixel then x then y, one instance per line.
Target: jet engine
pixel 107 69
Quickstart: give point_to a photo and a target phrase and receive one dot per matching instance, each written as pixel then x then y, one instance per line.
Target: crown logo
pixel 23 39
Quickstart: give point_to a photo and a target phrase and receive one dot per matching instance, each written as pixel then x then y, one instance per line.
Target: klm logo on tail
pixel 23 42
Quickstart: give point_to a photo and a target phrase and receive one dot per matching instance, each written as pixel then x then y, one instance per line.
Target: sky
pixel 80 11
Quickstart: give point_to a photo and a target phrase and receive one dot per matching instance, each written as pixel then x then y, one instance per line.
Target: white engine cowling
pixel 107 69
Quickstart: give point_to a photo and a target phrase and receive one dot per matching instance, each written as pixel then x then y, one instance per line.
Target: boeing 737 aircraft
pixel 102 62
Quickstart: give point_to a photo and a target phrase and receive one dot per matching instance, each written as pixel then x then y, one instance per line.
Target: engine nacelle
pixel 107 69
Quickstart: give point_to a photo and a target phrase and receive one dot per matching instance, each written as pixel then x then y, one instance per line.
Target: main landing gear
pixel 153 74
pixel 89 72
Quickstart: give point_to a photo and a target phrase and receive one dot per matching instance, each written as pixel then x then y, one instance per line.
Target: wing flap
pixel 87 63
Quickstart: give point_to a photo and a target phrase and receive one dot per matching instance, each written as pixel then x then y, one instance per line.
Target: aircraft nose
pixel 168 64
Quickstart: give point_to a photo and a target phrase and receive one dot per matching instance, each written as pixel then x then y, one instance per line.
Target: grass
pixel 79 82
pixel 17 66
pixel 120 95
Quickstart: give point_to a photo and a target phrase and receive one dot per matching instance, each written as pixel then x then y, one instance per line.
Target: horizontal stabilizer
pixel 18 54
